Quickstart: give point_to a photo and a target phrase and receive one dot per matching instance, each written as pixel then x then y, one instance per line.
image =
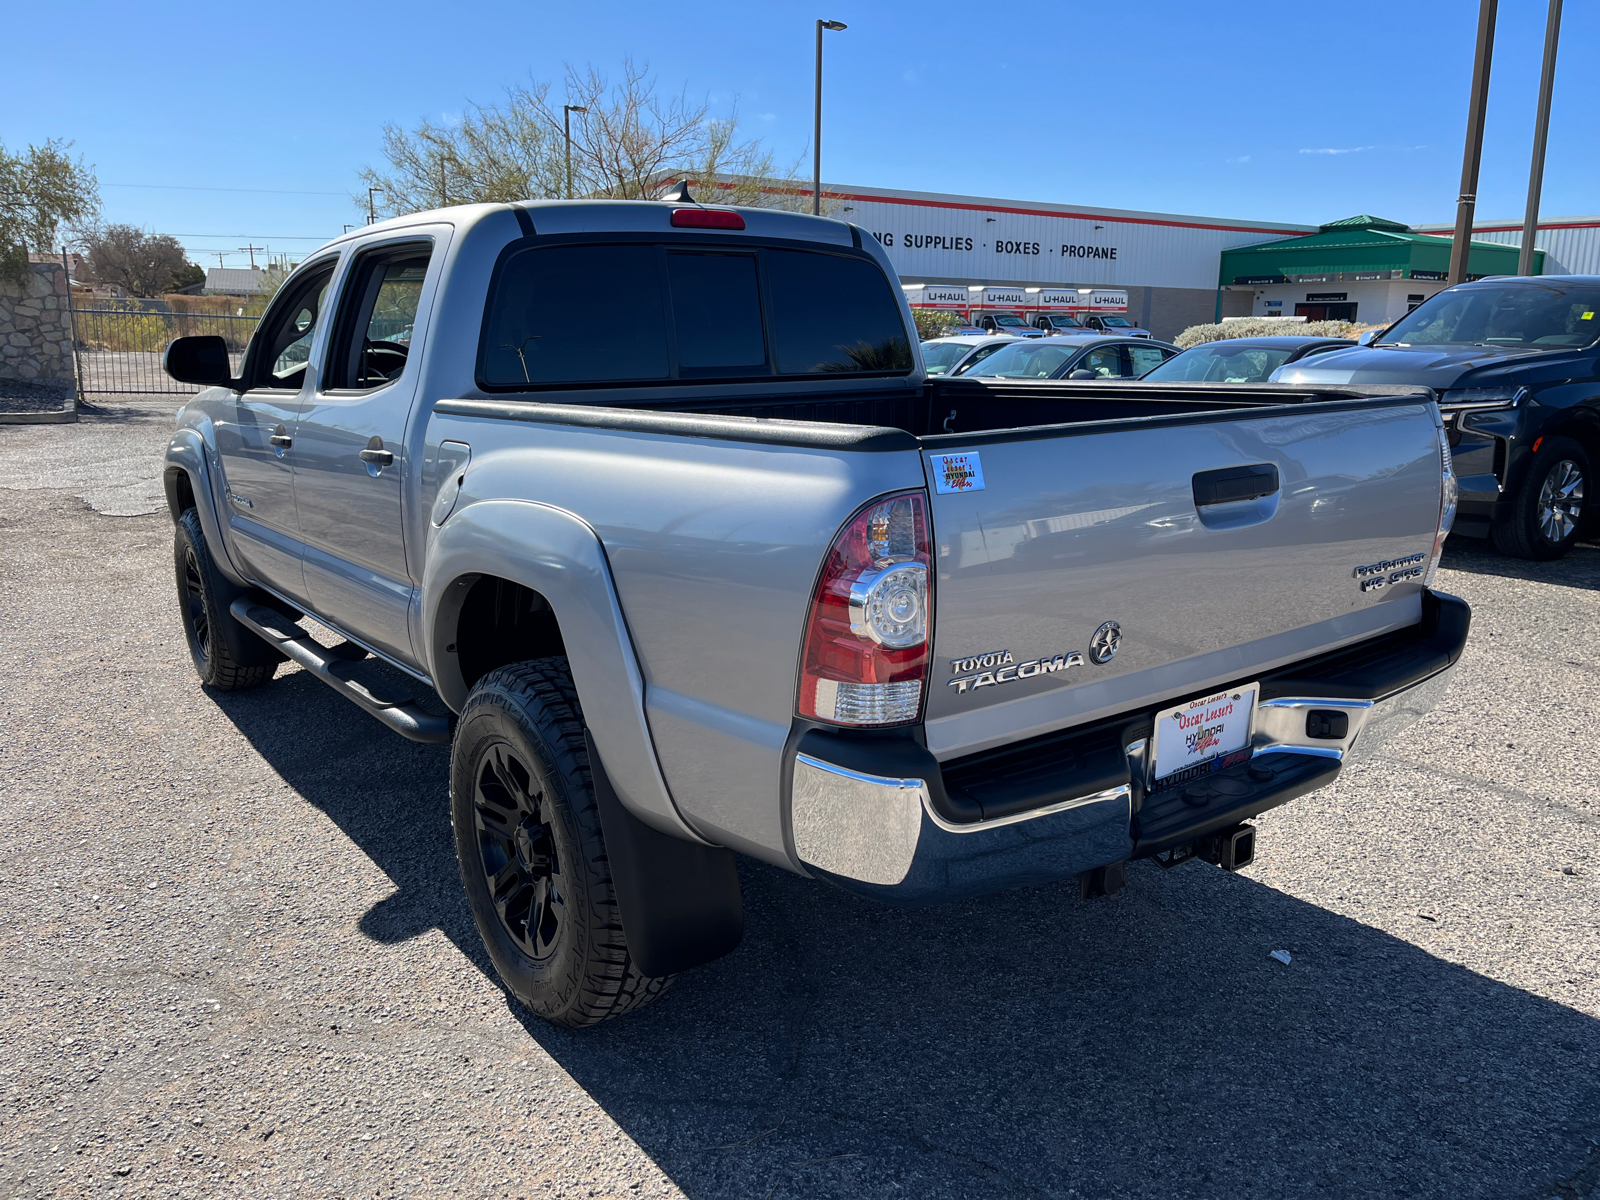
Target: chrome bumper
pixel 881 831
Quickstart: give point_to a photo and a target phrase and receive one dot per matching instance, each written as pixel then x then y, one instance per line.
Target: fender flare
pixel 186 454
pixel 560 556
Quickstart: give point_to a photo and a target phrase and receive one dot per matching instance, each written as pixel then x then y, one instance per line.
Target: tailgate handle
pixel 1229 485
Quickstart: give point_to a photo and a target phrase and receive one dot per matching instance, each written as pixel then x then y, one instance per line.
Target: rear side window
pixel 592 314
pixel 1146 358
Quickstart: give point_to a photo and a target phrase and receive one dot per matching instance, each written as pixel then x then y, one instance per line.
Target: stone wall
pixel 36 332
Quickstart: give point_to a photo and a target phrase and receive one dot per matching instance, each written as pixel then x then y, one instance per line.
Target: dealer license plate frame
pixel 1233 748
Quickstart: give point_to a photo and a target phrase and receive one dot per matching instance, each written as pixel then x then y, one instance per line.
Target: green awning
pixel 1362 248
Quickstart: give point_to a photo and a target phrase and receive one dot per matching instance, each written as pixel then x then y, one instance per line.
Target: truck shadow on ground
pixel 1579 568
pixel 1026 1044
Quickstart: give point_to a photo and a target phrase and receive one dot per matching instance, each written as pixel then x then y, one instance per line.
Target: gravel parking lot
pixel 237 961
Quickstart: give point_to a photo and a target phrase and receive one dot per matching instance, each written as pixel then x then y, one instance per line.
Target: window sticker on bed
pixel 957 473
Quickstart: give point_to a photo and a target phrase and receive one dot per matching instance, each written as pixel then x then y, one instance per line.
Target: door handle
pixel 1232 484
pixel 280 439
pixel 375 456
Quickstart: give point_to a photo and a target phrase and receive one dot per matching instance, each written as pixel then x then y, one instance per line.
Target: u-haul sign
pixel 938 296
pixel 993 297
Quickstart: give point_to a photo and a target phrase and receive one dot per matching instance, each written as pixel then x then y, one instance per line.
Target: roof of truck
pixel 625 216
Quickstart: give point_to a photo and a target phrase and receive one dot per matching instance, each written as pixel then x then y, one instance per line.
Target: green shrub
pixel 935 323
pixel 1266 327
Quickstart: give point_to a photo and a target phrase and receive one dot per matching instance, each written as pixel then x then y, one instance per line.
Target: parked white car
pixel 942 356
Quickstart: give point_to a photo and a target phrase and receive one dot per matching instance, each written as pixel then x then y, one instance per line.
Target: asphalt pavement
pixel 237 962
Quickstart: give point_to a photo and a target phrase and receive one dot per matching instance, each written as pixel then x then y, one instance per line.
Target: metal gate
pixel 118 344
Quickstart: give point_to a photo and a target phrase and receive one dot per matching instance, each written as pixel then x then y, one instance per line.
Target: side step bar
pixel 399 713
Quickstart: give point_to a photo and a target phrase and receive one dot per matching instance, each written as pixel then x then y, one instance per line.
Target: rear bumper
pixel 878 814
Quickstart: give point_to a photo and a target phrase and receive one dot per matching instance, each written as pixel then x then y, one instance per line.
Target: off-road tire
pixel 1522 534
pixel 203 599
pixel 528 714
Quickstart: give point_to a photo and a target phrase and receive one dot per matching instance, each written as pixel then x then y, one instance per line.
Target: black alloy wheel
pixel 532 852
pixel 226 655
pixel 195 622
pixel 517 851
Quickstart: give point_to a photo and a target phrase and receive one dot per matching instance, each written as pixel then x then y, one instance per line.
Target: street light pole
pixel 1541 131
pixel 566 128
pixel 816 133
pixel 1461 245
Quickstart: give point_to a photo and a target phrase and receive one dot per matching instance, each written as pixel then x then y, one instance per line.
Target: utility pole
pixel 566 128
pixel 1541 131
pixel 1461 246
pixel 219 260
pixel 372 210
pixel 251 251
pixel 816 132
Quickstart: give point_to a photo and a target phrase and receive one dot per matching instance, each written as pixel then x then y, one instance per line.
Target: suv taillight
pixel 865 659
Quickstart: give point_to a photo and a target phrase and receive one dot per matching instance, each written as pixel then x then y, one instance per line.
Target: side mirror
pixel 202 360
pixel 1082 373
pixel 1368 336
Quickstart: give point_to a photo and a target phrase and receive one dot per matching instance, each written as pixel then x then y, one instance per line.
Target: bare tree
pixel 41 190
pixel 143 264
pixel 629 145
pixel 496 153
pixel 632 142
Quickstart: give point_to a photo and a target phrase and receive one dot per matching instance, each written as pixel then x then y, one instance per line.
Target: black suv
pixel 1515 364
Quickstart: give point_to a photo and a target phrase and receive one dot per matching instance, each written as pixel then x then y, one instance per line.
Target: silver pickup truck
pixel 739 577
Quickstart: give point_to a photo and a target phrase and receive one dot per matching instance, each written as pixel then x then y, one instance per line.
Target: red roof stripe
pixel 1029 212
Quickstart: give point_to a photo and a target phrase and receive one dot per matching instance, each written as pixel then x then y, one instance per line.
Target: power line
pixel 282 237
pixel 186 187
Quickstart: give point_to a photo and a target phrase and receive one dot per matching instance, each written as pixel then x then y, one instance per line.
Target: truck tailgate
pixel 1138 522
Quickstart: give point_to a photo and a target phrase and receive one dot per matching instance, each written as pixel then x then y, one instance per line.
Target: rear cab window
pixel 685 311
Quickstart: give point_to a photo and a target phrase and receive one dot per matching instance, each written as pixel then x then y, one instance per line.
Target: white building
pixel 1166 262
pixel 1571 245
pixel 233 281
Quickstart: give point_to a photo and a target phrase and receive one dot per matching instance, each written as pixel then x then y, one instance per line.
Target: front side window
pixel 378 317
pixel 979 355
pixel 692 313
pixel 1025 360
pixel 1106 363
pixel 287 330
pixel 1543 316
pixel 1221 362
pixel 939 357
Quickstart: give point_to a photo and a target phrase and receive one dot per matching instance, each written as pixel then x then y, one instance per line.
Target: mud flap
pixel 680 900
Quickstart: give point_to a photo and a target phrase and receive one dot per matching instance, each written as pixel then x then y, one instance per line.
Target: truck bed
pixel 938 409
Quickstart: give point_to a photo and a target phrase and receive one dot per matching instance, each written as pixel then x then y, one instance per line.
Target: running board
pixel 399 713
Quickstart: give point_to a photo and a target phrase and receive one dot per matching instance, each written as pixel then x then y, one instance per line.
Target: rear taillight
pixel 865 659
pixel 706 218
pixel 1449 493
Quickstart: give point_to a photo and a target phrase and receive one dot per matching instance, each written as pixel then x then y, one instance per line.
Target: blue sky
pixel 1284 112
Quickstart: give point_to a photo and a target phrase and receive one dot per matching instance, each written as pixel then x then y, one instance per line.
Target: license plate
pixel 1201 736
